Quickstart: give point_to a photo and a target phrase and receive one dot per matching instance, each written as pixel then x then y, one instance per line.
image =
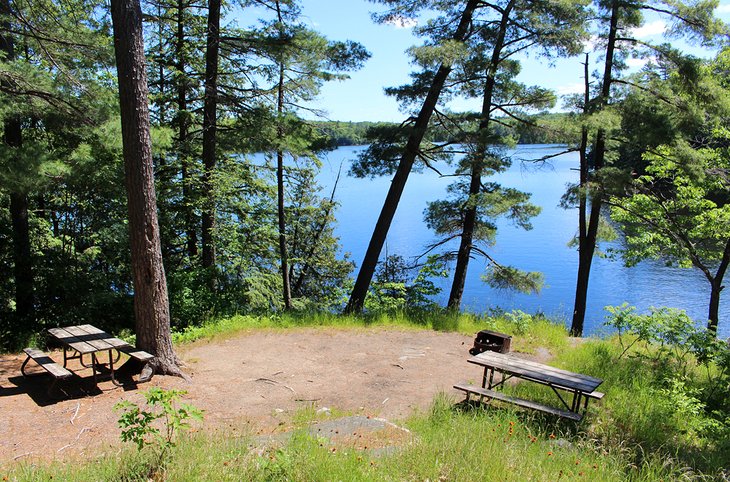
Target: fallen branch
pixel 274 382
pixel 78 405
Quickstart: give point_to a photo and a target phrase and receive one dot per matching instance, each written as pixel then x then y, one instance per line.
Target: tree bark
pixel 283 254
pixel 581 286
pixel 585 256
pixel 183 135
pixel 365 275
pixel 717 287
pixel 23 269
pixel 210 109
pixel 22 260
pixel 477 167
pixel 151 306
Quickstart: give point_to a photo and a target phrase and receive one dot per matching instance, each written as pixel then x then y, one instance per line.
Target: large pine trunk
pixel 477 167
pixel 377 240
pixel 13 137
pixel 588 247
pixel 151 306
pixel 210 109
pixel 23 272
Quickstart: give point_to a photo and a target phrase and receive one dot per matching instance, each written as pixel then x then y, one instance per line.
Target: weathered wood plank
pixel 97 340
pixel 484 392
pixel 67 338
pixel 596 395
pixel 140 355
pixel 47 363
pixel 537 371
pixel 111 340
pixel 510 360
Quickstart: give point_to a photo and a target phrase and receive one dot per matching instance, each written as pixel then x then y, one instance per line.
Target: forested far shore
pixel 544 128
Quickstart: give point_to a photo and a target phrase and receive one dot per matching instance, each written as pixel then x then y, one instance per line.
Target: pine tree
pixel 152 311
pixel 617 18
pixel 429 87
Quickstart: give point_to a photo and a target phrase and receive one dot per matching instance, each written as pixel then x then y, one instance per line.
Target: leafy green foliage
pixel 677 346
pixel 159 426
pixel 400 287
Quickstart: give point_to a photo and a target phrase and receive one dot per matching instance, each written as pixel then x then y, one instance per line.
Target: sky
pixel 361 98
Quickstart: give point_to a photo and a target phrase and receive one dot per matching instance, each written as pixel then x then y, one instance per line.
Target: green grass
pixel 447 444
pixel 643 430
pixel 538 332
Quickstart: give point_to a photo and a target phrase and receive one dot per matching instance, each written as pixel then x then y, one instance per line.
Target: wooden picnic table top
pixel 87 339
pixel 536 371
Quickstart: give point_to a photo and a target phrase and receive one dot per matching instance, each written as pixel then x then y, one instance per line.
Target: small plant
pixel 141 427
pixel 520 320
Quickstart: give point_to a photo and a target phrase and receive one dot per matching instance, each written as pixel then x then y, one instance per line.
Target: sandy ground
pixel 257 380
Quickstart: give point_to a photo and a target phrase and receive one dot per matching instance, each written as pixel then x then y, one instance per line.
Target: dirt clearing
pixel 255 380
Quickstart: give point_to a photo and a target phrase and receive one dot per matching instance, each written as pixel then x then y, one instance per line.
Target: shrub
pixel 138 425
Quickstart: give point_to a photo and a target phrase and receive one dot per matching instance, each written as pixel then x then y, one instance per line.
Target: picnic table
pixel 81 340
pixel 580 387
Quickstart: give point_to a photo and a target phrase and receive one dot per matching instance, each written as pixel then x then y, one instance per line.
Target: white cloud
pixel 590 44
pixel 636 63
pixel 575 88
pixel 656 27
pixel 399 21
pixel 723 8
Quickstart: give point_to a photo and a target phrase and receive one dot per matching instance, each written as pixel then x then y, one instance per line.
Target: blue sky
pixel 361 98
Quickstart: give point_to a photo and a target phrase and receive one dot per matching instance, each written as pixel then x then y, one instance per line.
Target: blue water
pixel 543 249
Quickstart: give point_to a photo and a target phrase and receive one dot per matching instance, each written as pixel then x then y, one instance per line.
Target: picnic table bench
pixel 581 387
pixel 78 341
pixel 44 361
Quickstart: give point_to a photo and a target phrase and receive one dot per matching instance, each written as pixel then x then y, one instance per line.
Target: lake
pixel 544 248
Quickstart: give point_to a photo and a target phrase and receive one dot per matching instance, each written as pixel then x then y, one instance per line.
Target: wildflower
pixel 550 454
pixel 552 436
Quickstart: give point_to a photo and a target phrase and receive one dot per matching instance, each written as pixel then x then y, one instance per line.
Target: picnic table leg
pixel 488 377
pixel 22 367
pixel 111 368
pixel 576 401
pixel 94 362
